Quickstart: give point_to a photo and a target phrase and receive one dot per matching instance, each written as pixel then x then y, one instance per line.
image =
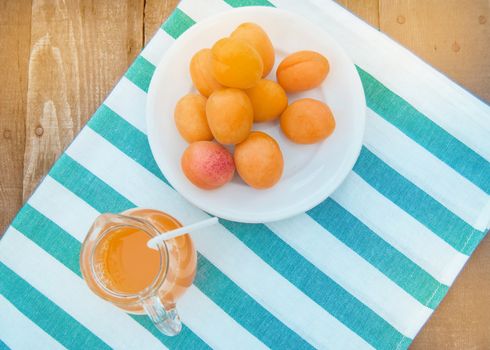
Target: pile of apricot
pixel 233 94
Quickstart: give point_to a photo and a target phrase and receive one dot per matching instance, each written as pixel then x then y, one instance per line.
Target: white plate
pixel 311 172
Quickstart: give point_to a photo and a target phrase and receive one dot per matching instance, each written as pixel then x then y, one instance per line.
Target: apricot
pixel 259 161
pixel 258 38
pixel 268 100
pixel 235 63
pixel 230 115
pixel 307 121
pixel 207 164
pixel 190 118
pixel 201 72
pixel 302 70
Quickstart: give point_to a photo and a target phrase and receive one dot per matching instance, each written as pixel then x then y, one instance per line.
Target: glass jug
pixel 118 266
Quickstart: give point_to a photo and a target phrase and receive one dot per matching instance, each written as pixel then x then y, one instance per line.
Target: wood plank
pixel 462 321
pixel 156 11
pixel 79 49
pixel 368 10
pixel 15 26
pixel 453 36
pixel 82 47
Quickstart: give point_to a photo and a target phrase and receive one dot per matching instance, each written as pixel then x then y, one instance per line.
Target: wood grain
pixel 79 49
pixel 462 321
pixel 368 10
pixel 15 30
pixel 452 35
pixel 58 66
pixel 156 11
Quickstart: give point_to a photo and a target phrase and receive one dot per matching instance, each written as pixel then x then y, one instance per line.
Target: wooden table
pixel 59 59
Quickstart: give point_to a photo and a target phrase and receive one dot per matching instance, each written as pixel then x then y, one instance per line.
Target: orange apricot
pixel 302 70
pixel 268 100
pixel 190 118
pixel 307 121
pixel 235 63
pixel 258 38
pixel 230 115
pixel 259 160
pixel 201 72
pixel 207 164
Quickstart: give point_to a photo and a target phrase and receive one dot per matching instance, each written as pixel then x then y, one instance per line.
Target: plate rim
pixel 274 215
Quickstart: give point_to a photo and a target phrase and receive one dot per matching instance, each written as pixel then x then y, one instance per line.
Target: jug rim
pixel 138 223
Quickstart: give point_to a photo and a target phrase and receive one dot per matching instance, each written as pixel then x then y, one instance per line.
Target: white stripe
pixel 51 197
pixel 456 193
pixel 196 309
pixel 430 92
pixel 485 217
pixel 218 245
pixel 274 292
pixel 19 332
pixel 212 324
pixel 70 292
pixel 129 101
pixel 399 229
pixel 353 273
pixel 198 9
pixel 156 47
pixel 425 170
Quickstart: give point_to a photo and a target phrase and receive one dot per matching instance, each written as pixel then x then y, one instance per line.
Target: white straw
pixel 153 243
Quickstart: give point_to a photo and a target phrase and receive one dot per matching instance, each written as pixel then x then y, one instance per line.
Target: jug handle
pixel 166 320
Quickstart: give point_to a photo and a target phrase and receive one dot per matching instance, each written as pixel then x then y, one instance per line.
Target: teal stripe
pixel 228 296
pixel 437 295
pixel 140 73
pixel 47 315
pixel 315 284
pixel 417 203
pixel 420 294
pixel 3 346
pixel 358 237
pixel 244 309
pixel 185 340
pixel 129 132
pixel 124 136
pixel 425 132
pixel 62 246
pixel 242 3
pixel 404 343
pixel 234 301
pixel 177 23
pixel 85 185
pixel 46 234
pixel 437 141
pixel 415 125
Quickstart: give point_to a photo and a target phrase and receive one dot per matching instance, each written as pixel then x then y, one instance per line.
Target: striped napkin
pixel 364 269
